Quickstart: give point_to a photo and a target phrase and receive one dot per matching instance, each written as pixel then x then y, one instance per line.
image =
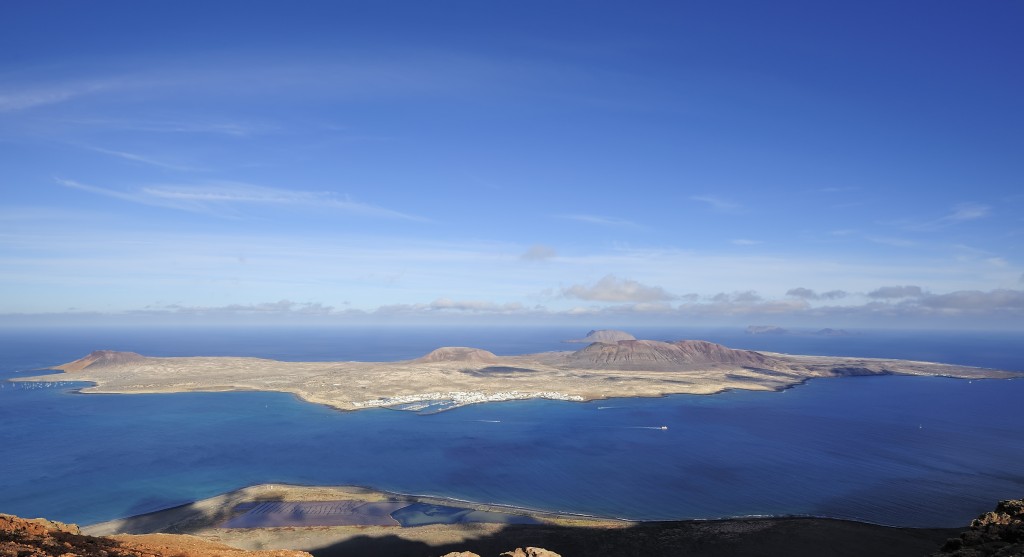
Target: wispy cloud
pixel 213 197
pixel 717 203
pixel 890 241
pixel 197 126
pixel 124 196
pixel 746 242
pixel 600 220
pixel 143 159
pixel 968 212
pixel 964 212
pixel 30 97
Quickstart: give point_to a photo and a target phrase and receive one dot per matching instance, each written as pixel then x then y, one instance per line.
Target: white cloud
pixel 613 289
pixel 972 301
pixel 745 297
pixel 808 294
pixel 447 305
pixel 955 309
pixel 746 242
pixel 887 292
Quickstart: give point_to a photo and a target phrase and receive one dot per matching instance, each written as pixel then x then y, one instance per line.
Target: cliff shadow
pixel 793 537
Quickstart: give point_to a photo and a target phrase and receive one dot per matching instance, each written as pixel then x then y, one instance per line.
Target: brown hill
pixel 684 354
pixel 458 354
pixel 42 538
pixel 102 358
pixel 605 335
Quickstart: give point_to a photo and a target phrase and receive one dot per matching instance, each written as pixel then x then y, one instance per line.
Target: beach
pixel 565 534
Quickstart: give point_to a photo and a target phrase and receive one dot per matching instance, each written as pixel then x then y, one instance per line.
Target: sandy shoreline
pixel 565 533
pixel 206 518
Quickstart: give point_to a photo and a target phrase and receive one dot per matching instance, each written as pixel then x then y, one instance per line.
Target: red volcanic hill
pixel 604 335
pixel 458 354
pixel 102 358
pixel 684 354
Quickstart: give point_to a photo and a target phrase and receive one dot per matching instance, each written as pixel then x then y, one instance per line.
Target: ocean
pixel 904 451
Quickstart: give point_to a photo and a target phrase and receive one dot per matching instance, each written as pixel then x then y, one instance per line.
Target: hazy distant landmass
pixel 776 330
pixel 766 330
pixel 456 376
pixel 828 332
pixel 604 335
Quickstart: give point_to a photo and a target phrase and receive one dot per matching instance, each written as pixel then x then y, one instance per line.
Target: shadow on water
pixel 189 518
pixel 794 537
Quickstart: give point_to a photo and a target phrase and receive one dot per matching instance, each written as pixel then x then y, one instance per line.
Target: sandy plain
pixel 567 535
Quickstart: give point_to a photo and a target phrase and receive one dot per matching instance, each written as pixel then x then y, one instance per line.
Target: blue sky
pixel 691 163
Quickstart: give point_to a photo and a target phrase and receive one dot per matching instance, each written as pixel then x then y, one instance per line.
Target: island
pixel 456 376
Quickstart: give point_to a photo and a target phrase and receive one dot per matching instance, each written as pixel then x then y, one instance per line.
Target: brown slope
pixel 458 354
pixel 41 538
pixel 604 335
pixel 681 355
pixel 100 359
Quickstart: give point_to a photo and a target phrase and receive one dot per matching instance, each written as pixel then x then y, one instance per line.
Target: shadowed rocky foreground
pixel 996 534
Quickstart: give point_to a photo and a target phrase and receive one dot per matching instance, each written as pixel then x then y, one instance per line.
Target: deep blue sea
pixel 910 451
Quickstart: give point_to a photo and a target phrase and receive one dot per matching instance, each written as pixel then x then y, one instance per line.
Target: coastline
pixel 441 402
pixel 568 534
pixel 453 377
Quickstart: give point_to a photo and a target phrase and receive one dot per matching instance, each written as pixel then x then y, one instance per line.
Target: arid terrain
pixel 456 376
pixel 198 530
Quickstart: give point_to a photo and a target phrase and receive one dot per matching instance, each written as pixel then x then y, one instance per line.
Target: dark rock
pixel 999 533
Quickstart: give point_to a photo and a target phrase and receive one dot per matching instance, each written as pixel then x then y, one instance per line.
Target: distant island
pixel 766 330
pixel 776 330
pixel 617 366
pixel 604 335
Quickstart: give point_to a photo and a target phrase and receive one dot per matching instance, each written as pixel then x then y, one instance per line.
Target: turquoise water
pixel 894 450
